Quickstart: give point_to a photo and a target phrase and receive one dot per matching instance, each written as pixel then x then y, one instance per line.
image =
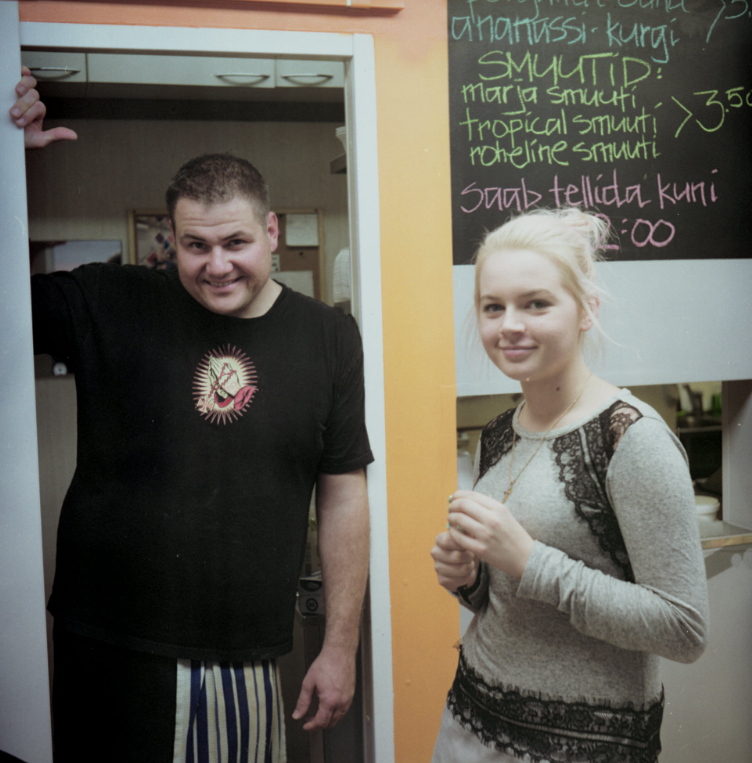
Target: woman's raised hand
pixel 28 112
pixel 454 566
pixel 486 528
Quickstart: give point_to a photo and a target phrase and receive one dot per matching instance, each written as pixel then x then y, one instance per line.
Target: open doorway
pixel 294 142
pixel 132 139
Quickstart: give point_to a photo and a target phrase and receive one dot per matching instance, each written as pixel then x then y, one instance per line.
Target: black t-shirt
pixel 200 438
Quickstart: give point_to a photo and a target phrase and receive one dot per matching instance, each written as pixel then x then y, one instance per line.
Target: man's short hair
pixel 217 179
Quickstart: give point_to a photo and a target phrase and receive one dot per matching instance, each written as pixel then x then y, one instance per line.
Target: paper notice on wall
pixel 302 230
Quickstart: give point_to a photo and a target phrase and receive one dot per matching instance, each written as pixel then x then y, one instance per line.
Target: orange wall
pixel 413 144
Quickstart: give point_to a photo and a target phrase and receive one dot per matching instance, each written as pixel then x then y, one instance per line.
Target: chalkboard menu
pixel 640 110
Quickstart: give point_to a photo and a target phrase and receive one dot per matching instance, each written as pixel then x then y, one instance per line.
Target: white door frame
pixel 24 685
pixel 357 51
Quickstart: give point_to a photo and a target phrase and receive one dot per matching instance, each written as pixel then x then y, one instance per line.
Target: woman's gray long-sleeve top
pixel 564 662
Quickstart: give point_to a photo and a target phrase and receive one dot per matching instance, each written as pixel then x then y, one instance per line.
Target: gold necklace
pixel 545 434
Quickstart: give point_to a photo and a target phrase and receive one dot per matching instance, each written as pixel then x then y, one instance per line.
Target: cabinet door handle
pixel 60 71
pixel 256 77
pixel 307 77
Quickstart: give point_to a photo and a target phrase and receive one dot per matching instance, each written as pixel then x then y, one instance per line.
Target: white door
pixel 24 691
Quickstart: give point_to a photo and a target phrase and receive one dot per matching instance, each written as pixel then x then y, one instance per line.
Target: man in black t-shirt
pixel 222 477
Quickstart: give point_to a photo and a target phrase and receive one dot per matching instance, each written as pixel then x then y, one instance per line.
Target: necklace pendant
pixel 507 494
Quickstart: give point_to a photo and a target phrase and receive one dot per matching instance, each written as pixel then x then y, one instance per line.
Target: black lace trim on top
pixel 583 457
pixel 549 729
pixel 496 441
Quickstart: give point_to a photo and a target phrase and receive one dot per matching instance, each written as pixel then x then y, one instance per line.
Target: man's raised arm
pixel 29 112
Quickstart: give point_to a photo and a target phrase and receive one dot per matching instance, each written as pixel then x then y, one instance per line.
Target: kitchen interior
pixel 138 118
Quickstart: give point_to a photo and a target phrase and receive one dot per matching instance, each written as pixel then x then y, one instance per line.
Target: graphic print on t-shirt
pixel 224 384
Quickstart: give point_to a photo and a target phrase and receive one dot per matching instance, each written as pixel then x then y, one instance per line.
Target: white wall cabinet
pixel 297 73
pixel 206 71
pixel 56 67
pixel 187 71
pixel 65 72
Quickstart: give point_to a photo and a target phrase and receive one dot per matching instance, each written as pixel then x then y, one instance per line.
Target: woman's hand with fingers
pixel 486 528
pixel 455 567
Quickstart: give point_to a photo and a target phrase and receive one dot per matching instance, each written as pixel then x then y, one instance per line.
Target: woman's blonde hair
pixel 570 238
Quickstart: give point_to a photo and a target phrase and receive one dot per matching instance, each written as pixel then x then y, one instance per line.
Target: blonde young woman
pixel 578 549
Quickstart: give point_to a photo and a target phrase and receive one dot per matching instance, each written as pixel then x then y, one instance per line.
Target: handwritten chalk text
pixel 590 69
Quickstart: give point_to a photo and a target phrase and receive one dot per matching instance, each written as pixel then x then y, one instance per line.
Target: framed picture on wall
pixel 150 240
